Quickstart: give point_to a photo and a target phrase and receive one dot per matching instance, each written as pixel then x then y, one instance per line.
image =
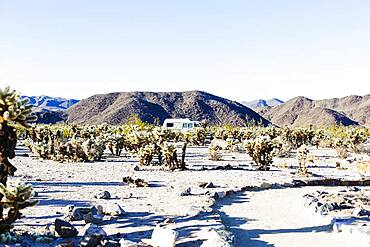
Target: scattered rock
pixel 186 192
pixel 92 229
pixel 219 195
pixel 93 236
pixel 113 209
pixel 65 229
pixel 136 168
pixel 93 218
pixel 168 221
pixel 75 214
pixel 227 167
pixel 219 238
pixel 103 195
pixel 162 237
pixel 111 243
pixel 135 182
pixel 361 212
pixel 206 185
pixel 265 186
pixel 325 208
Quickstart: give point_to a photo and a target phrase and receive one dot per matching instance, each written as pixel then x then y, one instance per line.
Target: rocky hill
pixel 299 111
pixel 116 108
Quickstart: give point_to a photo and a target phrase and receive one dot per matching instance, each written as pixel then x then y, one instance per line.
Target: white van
pixel 180 124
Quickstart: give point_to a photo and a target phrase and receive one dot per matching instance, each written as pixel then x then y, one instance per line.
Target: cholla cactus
pixel 16 111
pixel 146 154
pixel 214 152
pixel 355 137
pixel 15 197
pixel 170 155
pixel 50 142
pixel 13 109
pixel 342 146
pixel 261 151
pixel 302 157
pixel 299 136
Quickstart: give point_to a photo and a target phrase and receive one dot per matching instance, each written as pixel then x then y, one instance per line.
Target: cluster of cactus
pixel 342 147
pixel 299 136
pixel 261 150
pixel 13 197
pixel 356 137
pixel 84 145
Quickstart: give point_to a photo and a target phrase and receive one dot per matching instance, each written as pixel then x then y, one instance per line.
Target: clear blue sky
pixel 241 50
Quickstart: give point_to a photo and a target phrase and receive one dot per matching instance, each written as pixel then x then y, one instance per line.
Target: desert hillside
pixel 299 111
pixel 116 108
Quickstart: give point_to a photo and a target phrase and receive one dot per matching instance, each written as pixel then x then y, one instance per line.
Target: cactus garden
pixel 120 185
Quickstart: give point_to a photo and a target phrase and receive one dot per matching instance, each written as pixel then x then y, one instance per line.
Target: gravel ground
pixel 282 220
pixel 62 184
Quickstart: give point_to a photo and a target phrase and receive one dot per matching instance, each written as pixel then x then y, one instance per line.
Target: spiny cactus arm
pixel 15 197
pixel 14 109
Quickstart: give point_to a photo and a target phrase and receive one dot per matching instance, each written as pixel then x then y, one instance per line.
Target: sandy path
pixel 278 218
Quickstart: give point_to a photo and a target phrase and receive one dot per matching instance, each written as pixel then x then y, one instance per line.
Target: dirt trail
pixel 278 218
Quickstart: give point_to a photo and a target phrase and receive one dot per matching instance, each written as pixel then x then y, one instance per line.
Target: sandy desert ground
pixel 273 217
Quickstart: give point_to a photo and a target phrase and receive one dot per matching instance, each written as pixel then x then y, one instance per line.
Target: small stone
pixel 206 185
pixel 91 241
pixel 78 213
pixel 219 195
pixel 136 168
pixel 114 209
pixel 69 208
pixel 324 209
pixel 162 237
pixel 265 186
pixel 217 238
pixel 94 230
pixel 360 212
pixel 93 218
pixel 185 192
pixel 65 229
pixel 111 243
pixel 103 195
pixel 168 221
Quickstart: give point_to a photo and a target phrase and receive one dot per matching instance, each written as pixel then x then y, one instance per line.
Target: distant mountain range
pixel 260 103
pixel 50 103
pixel 116 108
pixel 50 109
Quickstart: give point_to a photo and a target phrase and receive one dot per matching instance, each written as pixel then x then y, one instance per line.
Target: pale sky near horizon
pixel 238 49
